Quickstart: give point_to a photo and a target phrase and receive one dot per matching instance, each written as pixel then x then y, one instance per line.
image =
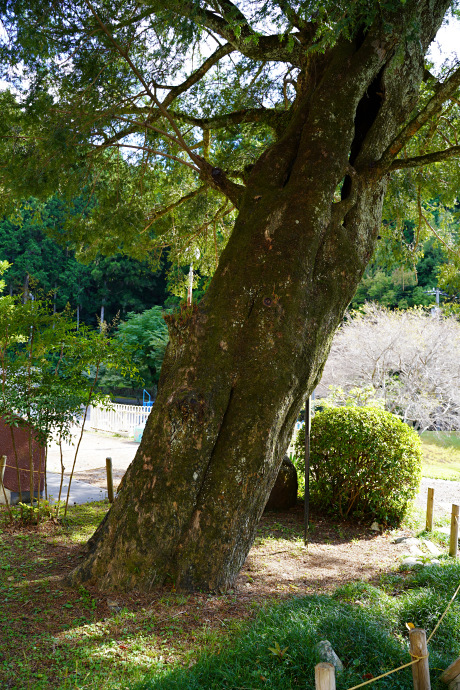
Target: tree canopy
pixel 160 110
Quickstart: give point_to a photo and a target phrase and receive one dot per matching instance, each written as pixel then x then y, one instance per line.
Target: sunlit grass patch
pixel 441 455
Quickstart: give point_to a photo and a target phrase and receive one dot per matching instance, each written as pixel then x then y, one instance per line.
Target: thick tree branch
pixel 444 91
pixel 230 12
pixel 272 118
pixel 261 115
pixel 194 78
pixel 246 41
pixel 238 117
pixel 218 180
pixel 155 215
pixel 419 161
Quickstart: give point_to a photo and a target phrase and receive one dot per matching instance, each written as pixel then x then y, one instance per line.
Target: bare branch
pixel 419 161
pixel 444 91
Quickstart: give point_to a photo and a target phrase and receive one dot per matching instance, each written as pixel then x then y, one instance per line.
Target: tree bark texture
pixel 239 364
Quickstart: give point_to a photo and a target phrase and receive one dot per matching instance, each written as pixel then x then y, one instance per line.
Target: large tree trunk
pixel 240 363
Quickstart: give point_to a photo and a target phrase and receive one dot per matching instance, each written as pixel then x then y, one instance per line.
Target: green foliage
pixel 393 280
pixel 365 625
pixel 108 136
pixel 364 463
pixel 145 335
pixel 49 368
pixel 356 396
pixel 35 242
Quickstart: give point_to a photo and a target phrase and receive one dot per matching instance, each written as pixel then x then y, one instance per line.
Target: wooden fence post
pixel 324 676
pixel 420 670
pixel 108 464
pixel 451 675
pixel 453 547
pixel 2 468
pixel 429 510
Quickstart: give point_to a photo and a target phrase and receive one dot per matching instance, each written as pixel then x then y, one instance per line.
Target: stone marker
pixel 284 493
pixel 326 653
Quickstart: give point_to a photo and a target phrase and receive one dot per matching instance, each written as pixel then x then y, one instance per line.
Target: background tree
pixel 145 335
pixel 291 118
pixel 34 242
pixel 411 359
pixel 396 284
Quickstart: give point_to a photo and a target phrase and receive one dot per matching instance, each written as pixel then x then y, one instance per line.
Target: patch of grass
pixel 52 635
pixel 56 636
pixel 441 455
pixel 443 439
pixel 365 624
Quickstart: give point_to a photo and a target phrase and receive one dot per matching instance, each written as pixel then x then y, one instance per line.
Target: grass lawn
pixel 441 455
pixel 365 624
pixel 261 635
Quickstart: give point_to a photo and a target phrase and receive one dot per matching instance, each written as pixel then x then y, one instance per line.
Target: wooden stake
pixel 108 464
pixel 429 510
pixel 420 670
pixel 324 676
pixel 2 486
pixel 453 548
pixel 452 672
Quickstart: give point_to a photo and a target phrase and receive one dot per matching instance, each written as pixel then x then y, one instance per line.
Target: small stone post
pixel 429 510
pixel 453 547
pixel 420 670
pixel 324 676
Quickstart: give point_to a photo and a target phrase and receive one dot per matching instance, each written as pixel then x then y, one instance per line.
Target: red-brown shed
pixel 14 443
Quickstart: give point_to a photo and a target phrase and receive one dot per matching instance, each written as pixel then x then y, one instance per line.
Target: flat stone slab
pixel 432 548
pixel 407 541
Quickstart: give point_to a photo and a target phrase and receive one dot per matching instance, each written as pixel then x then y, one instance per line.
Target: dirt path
pixel 95 447
pixel 445 493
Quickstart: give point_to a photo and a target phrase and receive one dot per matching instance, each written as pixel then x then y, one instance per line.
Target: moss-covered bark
pixel 239 365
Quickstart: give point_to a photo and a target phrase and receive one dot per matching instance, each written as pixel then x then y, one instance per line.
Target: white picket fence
pixel 121 419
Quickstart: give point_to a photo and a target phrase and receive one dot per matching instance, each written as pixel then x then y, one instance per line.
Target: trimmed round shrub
pixel 364 463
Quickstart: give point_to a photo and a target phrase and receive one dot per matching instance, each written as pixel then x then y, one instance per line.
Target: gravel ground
pixel 445 493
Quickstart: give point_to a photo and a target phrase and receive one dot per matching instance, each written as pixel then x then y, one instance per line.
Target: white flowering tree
pixel 410 358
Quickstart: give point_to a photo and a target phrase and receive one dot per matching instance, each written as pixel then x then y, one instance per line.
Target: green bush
pixel 364 462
